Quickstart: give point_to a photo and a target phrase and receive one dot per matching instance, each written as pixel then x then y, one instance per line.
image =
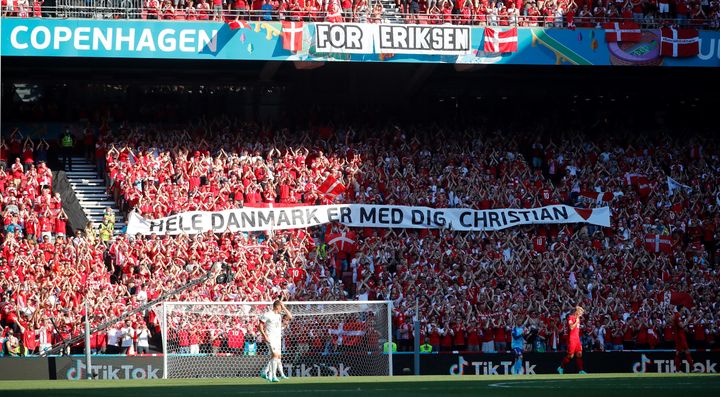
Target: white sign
pixel 362 215
pixel 392 39
pixel 423 39
pixel 344 38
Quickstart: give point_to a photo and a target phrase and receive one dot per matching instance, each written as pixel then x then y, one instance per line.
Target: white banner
pixel 344 38
pixel 423 39
pixel 362 215
pixel 392 39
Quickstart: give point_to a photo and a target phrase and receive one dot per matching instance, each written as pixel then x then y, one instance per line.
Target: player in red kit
pixel 574 345
pixel 679 323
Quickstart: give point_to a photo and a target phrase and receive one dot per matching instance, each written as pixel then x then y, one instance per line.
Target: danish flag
pixel 234 25
pixel 678 298
pixel 331 187
pixel 345 241
pixel 640 182
pixel 348 334
pixel 599 197
pixel 631 178
pixel 497 41
pixel 679 42
pixel 625 31
pixel 658 243
pixel 643 186
pixel 292 34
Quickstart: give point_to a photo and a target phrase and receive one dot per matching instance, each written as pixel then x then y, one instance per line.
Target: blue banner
pixel 264 41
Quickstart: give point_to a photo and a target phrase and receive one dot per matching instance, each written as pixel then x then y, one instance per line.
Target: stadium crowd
pixel 549 13
pixel 471 287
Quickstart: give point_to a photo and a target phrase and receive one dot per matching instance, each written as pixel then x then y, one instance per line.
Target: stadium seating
pixel 502 13
pixel 471 287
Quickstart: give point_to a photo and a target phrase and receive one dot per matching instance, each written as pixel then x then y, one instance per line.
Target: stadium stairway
pixel 89 187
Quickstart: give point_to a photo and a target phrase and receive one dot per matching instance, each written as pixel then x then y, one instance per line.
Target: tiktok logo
pixel 459 368
pixel 490 367
pixel 668 366
pixel 641 367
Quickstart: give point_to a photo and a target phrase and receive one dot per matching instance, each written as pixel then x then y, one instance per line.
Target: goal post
pixel 223 340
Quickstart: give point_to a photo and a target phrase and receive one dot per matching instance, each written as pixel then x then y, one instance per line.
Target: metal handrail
pixel 134 9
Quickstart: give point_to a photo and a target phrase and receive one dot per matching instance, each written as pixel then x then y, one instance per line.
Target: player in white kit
pixel 271 324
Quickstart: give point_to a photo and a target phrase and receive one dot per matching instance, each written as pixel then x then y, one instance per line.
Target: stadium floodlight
pixel 223 340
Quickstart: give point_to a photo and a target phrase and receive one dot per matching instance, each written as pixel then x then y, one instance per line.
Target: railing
pixel 134 9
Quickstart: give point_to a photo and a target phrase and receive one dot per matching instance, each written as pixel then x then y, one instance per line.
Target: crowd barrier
pixel 151 366
pixel 136 9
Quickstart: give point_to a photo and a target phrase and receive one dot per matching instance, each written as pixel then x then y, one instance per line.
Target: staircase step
pixel 89 189
pixel 99 211
pixel 86 186
pixel 103 204
pixel 81 174
pixel 90 196
pixel 89 186
pixel 86 180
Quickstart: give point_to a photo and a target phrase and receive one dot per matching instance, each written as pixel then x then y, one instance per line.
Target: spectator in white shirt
pixel 143 337
pixel 113 339
pixel 127 333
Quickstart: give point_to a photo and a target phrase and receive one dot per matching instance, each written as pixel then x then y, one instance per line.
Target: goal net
pixel 223 339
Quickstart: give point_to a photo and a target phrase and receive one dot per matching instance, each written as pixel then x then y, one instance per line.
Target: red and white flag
pixel 679 42
pixel 348 334
pixel 331 187
pixel 679 298
pixel 640 182
pixel 345 241
pixel 632 178
pixel 625 31
pixel 274 205
pixel 234 25
pixel 292 36
pixel 658 243
pixel 497 41
pixel 643 186
pixel 599 197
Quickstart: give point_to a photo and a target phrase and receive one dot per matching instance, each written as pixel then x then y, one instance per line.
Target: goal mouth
pixel 228 339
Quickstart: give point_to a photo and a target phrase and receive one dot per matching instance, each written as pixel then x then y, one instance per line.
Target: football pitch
pixel 604 385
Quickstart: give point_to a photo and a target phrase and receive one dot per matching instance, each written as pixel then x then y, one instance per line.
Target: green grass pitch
pixel 605 385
